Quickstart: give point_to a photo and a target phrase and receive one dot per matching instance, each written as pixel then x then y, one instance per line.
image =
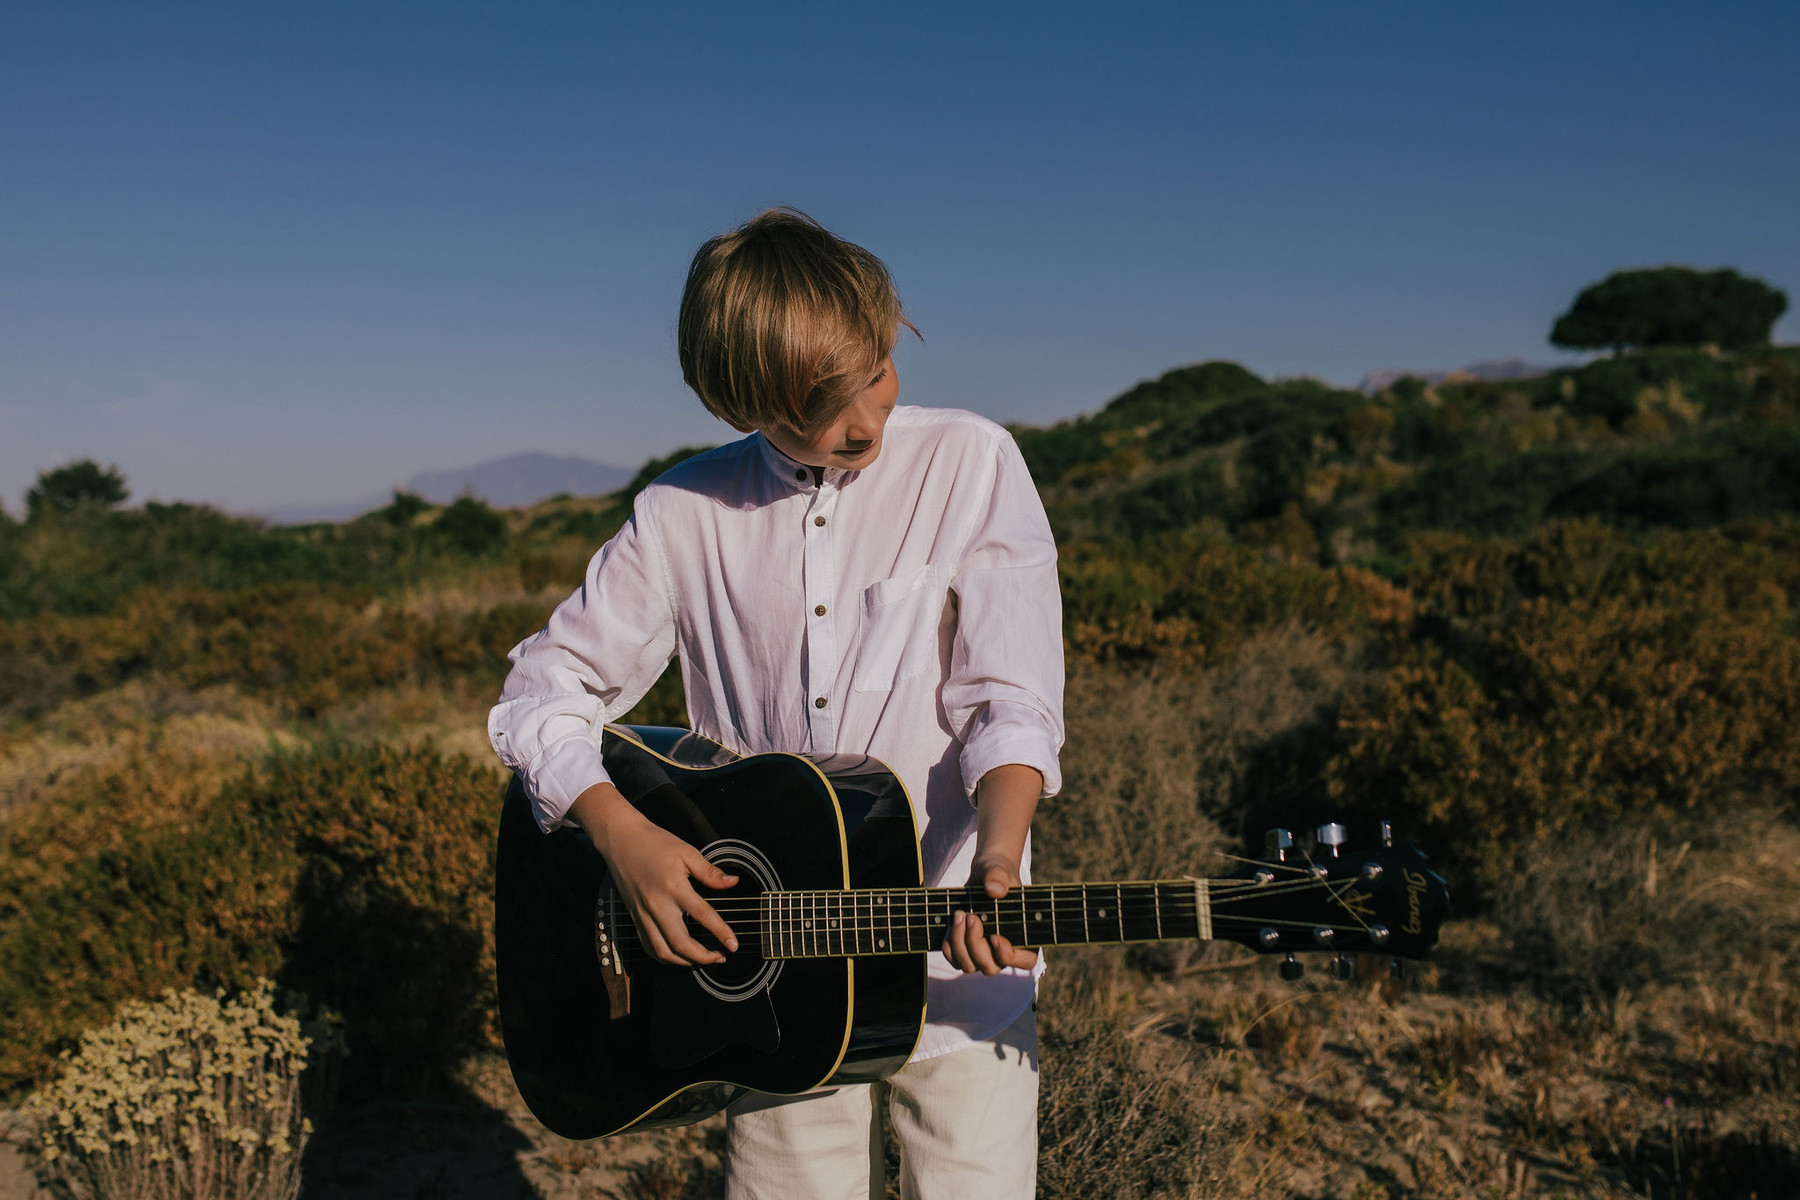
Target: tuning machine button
pixel 1268 937
pixel 1278 842
pixel 1324 935
pixel 1263 875
pixel 1343 968
pixel 1378 934
pixel 1292 968
pixel 1371 871
pixel 1386 829
pixel 1330 835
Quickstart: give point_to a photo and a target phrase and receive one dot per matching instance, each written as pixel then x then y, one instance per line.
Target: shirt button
pixel 799 474
pixel 818 520
pixel 819 610
pixel 819 703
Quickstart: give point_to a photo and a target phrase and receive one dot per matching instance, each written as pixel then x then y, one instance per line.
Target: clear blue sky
pixel 265 255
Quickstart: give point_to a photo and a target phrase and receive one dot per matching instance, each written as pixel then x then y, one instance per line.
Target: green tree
pixel 1671 306
pixel 81 484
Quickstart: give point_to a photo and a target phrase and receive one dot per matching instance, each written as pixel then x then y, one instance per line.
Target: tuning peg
pixel 1387 832
pixel 1343 968
pixel 1278 841
pixel 1330 835
pixel 1292 968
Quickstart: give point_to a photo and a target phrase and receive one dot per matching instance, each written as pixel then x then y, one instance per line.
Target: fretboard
pixel 913 920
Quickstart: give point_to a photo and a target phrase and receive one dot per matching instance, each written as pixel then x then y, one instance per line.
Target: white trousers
pixel 966 1123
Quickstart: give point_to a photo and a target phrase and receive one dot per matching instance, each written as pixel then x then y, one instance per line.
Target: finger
pixel 955 944
pixel 979 950
pixel 652 938
pixel 674 929
pixel 690 952
pixel 709 919
pixel 707 872
pixel 1009 955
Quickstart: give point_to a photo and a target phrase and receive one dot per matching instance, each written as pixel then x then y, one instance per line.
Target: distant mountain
pixel 508 482
pixel 1505 368
pixel 520 479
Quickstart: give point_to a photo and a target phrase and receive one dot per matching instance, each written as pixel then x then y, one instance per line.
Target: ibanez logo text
pixel 1415 892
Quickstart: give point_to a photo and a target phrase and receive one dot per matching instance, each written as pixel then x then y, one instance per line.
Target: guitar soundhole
pixel 746 973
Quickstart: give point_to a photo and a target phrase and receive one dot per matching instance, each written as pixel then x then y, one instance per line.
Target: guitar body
pixel 694 1039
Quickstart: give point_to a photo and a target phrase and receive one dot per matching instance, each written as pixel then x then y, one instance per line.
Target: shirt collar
pixel 796 475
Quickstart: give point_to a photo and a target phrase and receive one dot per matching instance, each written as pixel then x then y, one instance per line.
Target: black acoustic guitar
pixel 828 984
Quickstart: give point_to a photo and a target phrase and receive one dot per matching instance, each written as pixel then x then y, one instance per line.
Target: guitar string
pixel 1226 890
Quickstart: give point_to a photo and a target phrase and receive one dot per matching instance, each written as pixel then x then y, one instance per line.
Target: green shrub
pixel 189 1098
pixel 1729 474
pixel 1615 388
pixel 1479 490
pixel 469 526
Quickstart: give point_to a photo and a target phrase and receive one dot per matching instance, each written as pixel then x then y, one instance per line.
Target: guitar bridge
pixel 609 918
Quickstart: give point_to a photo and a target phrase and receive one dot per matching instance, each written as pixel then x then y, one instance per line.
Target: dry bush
pixel 1575 681
pixel 1157 762
pixel 189 1098
pixel 306 647
pixel 125 882
pixel 360 875
pixel 1590 914
pixel 1124 1111
pixel 1187 598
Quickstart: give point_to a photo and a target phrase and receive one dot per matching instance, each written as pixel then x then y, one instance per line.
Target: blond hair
pixel 783 323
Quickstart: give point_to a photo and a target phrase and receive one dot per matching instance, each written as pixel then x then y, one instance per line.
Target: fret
pixel 1156 899
pixel 887 912
pixel 1086 933
pixel 834 907
pixel 1024 934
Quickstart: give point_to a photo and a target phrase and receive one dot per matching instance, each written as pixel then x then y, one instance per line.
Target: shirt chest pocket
pixel 899 629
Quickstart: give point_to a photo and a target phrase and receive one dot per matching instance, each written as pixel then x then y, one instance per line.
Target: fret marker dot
pixel 1103 913
pixel 806 924
pixel 881 943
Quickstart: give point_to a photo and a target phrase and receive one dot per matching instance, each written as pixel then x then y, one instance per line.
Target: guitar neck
pixel 834 924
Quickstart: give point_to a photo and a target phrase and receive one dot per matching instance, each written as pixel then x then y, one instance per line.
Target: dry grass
pixel 1126 1111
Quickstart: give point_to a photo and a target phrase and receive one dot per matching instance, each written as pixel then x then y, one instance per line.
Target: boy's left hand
pixel 967 945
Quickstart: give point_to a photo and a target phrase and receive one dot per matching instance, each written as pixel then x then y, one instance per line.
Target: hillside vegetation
pixel 1546 626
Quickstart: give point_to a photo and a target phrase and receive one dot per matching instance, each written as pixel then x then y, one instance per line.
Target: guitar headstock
pixel 1381 899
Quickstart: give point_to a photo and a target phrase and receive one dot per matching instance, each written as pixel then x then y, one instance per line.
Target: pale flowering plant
pixel 191 1097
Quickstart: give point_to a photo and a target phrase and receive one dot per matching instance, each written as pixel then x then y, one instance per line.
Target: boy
pixel 852 577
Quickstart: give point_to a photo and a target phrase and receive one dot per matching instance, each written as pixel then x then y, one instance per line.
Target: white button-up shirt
pixel 908 610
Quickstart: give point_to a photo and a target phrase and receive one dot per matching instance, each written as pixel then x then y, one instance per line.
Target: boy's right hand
pixel 655 871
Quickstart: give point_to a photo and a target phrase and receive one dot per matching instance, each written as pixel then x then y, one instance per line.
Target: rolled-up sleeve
pixel 1004 692
pixel 600 652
